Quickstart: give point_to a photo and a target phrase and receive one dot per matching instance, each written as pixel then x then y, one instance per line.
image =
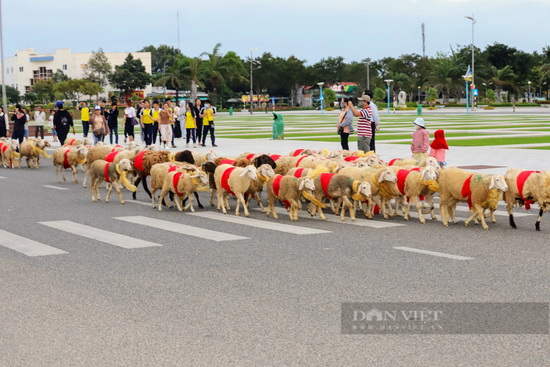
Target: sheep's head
pixel 39 143
pixel 203 177
pixel 339 165
pixel 306 183
pixel 498 182
pixel 428 173
pixel 99 143
pixel 388 175
pixel 152 148
pixel 266 170
pixel 360 163
pixel 82 150
pixel 132 145
pixel 86 141
pixel 308 152
pixel 251 171
pixel 209 167
pixel 13 144
pixel 333 154
pixel 432 162
pixel 125 165
pixel 372 160
pixel 210 156
pixel 365 189
pixel 47 143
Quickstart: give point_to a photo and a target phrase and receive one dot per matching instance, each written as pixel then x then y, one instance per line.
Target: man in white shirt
pixel 375 118
pixel 39 119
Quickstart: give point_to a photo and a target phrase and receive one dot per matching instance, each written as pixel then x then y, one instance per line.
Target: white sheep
pixel 182 184
pixel 102 170
pixel 10 157
pixel 236 181
pixel 69 156
pixel 412 184
pixel 289 190
pixel 159 172
pixel 265 171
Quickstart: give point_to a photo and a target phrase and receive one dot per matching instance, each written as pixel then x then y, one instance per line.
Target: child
pixel 421 140
pixel 438 147
pixel 190 125
pixel 50 124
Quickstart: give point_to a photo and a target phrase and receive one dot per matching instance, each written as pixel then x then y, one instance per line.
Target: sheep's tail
pixel 45 155
pixel 127 182
pixel 308 196
pixel 320 168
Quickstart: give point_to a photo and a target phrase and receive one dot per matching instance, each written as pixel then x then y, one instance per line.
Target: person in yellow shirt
pixel 147 123
pixel 85 117
pixel 208 112
pixel 156 120
pixel 190 125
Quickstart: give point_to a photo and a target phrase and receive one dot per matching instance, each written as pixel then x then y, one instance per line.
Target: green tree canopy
pixel 130 76
pixel 98 68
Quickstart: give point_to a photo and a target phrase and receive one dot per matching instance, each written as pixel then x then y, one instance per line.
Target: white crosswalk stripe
pixel 433 253
pixel 56 187
pixel 336 219
pixel 100 235
pixel 264 224
pixel 497 212
pixel 27 246
pixel 182 228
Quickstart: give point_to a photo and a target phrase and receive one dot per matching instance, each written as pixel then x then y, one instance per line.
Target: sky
pixel 307 29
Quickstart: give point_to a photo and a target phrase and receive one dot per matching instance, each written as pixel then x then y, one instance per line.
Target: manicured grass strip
pixel 496 141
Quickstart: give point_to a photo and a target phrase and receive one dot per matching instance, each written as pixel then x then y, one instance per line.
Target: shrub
pixel 488 108
pixel 431 108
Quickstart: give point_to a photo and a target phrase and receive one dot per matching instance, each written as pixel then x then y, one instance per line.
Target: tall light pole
pixel 388 81
pixel 473 81
pixel 4 98
pixel 321 98
pixel 418 94
pixel 466 77
pixel 529 95
pixel 368 74
pixel 252 62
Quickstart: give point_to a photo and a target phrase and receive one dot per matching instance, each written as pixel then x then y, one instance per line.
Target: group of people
pixel 21 119
pixel 369 123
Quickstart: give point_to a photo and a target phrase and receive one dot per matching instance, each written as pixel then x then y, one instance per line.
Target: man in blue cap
pixel 62 121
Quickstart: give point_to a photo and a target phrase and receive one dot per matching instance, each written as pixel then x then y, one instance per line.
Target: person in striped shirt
pixel 364 125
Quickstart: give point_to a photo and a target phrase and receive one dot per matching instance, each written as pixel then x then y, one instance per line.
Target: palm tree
pixel 545 70
pixel 175 75
pixel 502 78
pixel 193 70
pixel 445 76
pixel 220 68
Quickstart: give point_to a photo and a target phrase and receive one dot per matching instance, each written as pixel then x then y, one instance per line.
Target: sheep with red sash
pixel 183 184
pixel 66 157
pixel 32 149
pixel 527 188
pixel 10 157
pixel 289 190
pixel 412 184
pixel 98 152
pixel 144 162
pixel 478 190
pixel 73 141
pixel 111 173
pixel 235 181
pixel 159 172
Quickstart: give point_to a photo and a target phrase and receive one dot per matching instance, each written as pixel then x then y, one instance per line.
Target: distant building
pixel 27 66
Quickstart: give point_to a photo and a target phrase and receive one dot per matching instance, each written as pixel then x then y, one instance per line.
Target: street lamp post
pixel 4 98
pixel 388 81
pixel 529 95
pixel 252 62
pixel 473 81
pixel 368 74
pixel 321 98
pixel 418 94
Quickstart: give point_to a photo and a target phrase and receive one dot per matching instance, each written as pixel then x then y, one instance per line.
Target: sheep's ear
pixel 302 184
pixel 381 178
pixel 244 173
pixel 195 176
pixel 492 184
pixel 423 175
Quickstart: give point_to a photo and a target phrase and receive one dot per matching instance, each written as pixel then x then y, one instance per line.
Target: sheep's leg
pixel 63 174
pixel 259 200
pixel 86 177
pixel 537 225
pixel 509 206
pixel 333 206
pixel 75 174
pixel 212 198
pixel 109 193
pixel 443 212
pixel 153 192
pixel 294 210
pixel 191 203
pixel 91 188
pixel 337 206
pixel 349 205
pixel 479 210
pixel 453 210
pixel 56 173
pixel 408 210
pixel 246 212
pixel 492 212
pixel 198 201
pixel 179 202
pixel 29 164
pixel 136 184
pixel 226 201
pixel 96 187
pixel 162 197
pixel 390 209
pixel 418 207
pixel 144 183
pixel 370 204
pixel 383 208
pixel 430 200
pixel 117 188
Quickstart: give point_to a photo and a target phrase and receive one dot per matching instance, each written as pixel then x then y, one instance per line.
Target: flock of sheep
pixel 346 179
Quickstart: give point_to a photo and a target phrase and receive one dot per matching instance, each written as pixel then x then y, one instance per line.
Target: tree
pixel 43 89
pixel 446 76
pixel 220 68
pixel 329 97
pixel 90 89
pixel 98 68
pixel 29 97
pixel 162 57
pixel 501 78
pixel 490 96
pixel 193 70
pixel 130 76
pixel 432 95
pixel 175 75
pixel 378 94
pixel 59 76
pixel 13 94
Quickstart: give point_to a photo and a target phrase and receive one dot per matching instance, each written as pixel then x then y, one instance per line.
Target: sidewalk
pixel 501 157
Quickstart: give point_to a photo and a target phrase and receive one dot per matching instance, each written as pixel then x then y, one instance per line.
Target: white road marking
pixel 100 235
pixel 502 213
pixel 263 224
pixel 56 187
pixel 2 177
pixel 182 228
pixel 434 253
pixel 26 246
pixel 336 219
pixel 141 202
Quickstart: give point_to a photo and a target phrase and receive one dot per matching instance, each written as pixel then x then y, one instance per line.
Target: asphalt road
pixel 271 299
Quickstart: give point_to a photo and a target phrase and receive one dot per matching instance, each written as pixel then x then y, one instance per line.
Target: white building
pixel 27 66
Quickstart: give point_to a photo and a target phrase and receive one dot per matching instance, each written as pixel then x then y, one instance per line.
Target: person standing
pixel 198 118
pixel 140 108
pixel 50 124
pixel 208 112
pixel 85 117
pixel 146 118
pixel 181 117
pixel 4 124
pixel 375 124
pixel 26 124
pixel 62 121
pixel 420 141
pixel 177 126
pixel 113 123
pixel 156 120
pixel 364 129
pixel 39 119
pixel 129 116
pixel 99 125
pixel 345 124
pixel 165 125
pixel 19 120
pixel 190 125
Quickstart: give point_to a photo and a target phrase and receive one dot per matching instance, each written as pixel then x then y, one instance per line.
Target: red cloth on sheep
pixel 297 152
pixel 66 160
pixel 275 157
pixel 401 178
pixel 72 142
pixel 439 141
pixel 522 177
pixel 277 187
pixel 467 192
pixel 172 168
pixel 299 160
pixel 227 161
pixel 138 162
pixel 116 146
pixel 250 156
pixel 111 157
pixel 298 172
pixel 351 159
pixel 325 180
pixel 392 161
pixel 106 173
pixel 225 179
pixel 175 181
